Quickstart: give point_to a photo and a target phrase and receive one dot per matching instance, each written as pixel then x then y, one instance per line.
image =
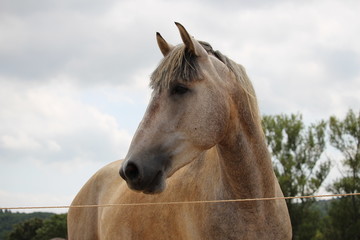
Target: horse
pixel 200 140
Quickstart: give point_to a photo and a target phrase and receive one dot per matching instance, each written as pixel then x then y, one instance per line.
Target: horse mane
pixel 181 65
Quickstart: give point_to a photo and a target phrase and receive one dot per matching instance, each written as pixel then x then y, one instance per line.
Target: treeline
pixel 32 226
pixel 301 166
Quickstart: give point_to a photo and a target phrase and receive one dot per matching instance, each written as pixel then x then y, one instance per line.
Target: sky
pixel 74 75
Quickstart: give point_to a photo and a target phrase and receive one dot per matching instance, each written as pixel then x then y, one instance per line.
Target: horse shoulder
pixel 83 221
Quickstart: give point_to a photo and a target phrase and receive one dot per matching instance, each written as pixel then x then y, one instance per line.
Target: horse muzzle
pixel 149 180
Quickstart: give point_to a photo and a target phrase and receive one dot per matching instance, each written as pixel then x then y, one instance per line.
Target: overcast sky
pixel 74 75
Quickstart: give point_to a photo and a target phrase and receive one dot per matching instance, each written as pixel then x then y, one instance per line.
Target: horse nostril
pixel 131 171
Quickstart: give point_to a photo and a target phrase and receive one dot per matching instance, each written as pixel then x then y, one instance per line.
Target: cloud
pixel 298 54
pixel 85 45
pixel 49 122
pixel 52 140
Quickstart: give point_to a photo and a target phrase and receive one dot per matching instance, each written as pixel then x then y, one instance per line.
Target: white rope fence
pixel 181 203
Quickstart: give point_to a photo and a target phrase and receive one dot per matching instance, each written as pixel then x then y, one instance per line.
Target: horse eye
pixel 179 90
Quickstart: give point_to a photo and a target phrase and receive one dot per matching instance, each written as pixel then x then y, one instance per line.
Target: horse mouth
pixel 155 186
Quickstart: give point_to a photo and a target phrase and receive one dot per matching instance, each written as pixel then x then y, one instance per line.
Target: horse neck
pixel 245 161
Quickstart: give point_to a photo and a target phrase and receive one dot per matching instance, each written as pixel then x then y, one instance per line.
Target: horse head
pixel 189 113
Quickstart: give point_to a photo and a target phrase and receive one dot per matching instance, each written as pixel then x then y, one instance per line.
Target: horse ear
pixel 165 47
pixel 190 43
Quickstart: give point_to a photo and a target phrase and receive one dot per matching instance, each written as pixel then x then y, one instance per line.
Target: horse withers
pixel 200 140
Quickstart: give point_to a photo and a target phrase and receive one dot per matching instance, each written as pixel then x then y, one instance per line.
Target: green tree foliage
pixel 344 215
pixel 8 219
pixel 296 152
pixel 51 228
pixel 38 229
pixel 26 230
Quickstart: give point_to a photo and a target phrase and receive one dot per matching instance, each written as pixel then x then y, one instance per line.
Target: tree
pixel 39 229
pixel 9 219
pixel 53 227
pixel 344 214
pixel 296 152
pixel 25 230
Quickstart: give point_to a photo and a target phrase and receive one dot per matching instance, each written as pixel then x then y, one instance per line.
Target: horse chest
pixel 174 222
pixel 151 222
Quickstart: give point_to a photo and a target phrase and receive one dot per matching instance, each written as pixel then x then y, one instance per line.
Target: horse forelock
pixel 179 65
